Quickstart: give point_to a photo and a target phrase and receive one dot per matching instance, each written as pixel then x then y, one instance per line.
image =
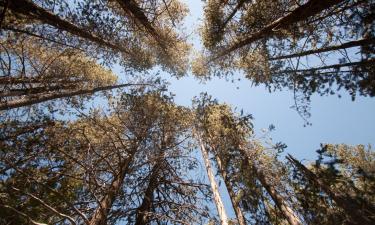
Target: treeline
pixel 136 157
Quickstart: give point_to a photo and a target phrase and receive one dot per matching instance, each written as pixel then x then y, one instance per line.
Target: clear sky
pixel 334 120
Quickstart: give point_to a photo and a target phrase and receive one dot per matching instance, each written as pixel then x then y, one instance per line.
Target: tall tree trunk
pixel 146 206
pixel 217 198
pixel 237 209
pixel 350 44
pixel 311 8
pixel 43 98
pixel 351 207
pixel 10 80
pixel 28 8
pixel 36 90
pixel 100 215
pixel 286 211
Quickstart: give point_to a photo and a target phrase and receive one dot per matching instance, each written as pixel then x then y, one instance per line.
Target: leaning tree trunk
pixel 217 198
pixel 351 207
pixel 29 8
pixel 286 211
pixel 100 215
pixel 237 209
pixel 28 101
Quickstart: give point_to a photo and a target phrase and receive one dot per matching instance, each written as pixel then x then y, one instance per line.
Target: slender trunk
pixel 101 213
pixel 353 208
pixel 350 44
pixel 146 206
pixel 238 211
pixel 309 9
pixel 38 99
pixel 334 66
pixel 287 212
pixel 231 15
pixel 28 8
pixel 217 198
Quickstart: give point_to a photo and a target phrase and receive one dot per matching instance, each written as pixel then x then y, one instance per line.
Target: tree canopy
pixel 82 143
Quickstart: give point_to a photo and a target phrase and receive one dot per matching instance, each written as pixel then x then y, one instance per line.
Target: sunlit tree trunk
pixel 215 190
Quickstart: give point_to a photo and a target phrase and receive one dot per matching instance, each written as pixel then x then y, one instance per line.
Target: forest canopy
pixel 83 143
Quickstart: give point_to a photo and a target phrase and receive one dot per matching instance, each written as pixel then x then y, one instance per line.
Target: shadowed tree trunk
pixel 350 44
pixel 239 215
pixel 352 207
pixel 100 215
pixel 30 9
pixel 334 66
pixel 287 212
pixel 146 206
pixel 31 100
pixel 37 90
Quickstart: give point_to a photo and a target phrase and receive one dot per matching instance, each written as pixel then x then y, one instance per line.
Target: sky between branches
pixel 334 120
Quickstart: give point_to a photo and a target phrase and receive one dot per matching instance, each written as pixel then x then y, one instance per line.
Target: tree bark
pixel 352 208
pixel 237 209
pixel 37 90
pixel 101 213
pixel 350 44
pixel 309 9
pixel 38 99
pixel 287 212
pixel 217 198
pixel 28 8
pixel 146 206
